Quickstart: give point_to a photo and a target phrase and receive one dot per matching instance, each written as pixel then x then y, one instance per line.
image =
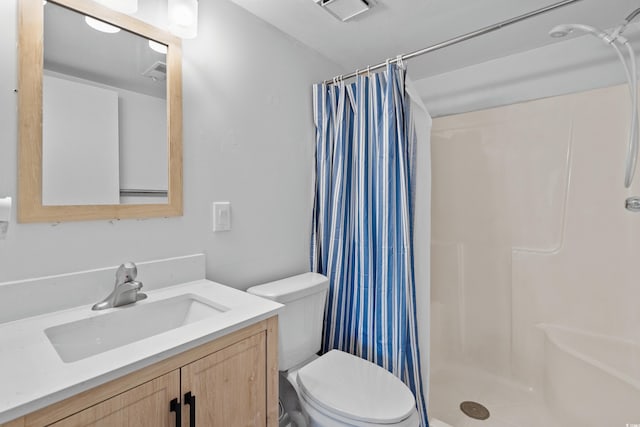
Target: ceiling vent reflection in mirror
pixel 157 72
pixel 345 9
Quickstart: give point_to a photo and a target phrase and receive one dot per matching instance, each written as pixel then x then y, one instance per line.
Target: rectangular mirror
pixel 100 115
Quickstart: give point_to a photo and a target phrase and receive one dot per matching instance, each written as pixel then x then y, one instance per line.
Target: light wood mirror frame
pixel 30 52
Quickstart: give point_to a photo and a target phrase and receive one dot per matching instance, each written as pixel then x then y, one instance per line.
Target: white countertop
pixel 33 376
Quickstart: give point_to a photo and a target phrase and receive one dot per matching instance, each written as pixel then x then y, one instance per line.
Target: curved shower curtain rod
pixel 456 40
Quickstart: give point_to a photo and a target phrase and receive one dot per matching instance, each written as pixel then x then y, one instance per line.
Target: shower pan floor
pixel 509 404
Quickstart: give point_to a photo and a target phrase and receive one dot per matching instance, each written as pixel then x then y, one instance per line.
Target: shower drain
pixel 474 410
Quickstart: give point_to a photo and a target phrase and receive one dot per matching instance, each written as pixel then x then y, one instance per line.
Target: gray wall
pixel 248 139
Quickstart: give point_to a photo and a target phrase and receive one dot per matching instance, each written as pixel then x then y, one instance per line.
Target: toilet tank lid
pixel 292 288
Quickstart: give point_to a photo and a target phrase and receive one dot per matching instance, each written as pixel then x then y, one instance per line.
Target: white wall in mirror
pixel 86 162
pixel 143 146
pixel 80 144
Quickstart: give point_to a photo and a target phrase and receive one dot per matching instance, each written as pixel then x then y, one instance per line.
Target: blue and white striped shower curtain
pixel 362 222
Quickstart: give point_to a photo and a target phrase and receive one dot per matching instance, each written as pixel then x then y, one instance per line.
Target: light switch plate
pixel 221 216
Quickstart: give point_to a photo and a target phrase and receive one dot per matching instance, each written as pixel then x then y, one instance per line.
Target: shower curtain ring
pixel 368 70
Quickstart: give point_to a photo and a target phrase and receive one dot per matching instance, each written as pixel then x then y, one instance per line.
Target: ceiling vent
pixel 345 9
pixel 157 72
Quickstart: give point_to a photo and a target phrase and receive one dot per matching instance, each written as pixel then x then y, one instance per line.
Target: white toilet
pixel 335 389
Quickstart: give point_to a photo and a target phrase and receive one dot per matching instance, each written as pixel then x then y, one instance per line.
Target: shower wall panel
pixel 529 227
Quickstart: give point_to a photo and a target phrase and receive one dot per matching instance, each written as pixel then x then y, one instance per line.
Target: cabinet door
pixel 146 405
pixel 229 386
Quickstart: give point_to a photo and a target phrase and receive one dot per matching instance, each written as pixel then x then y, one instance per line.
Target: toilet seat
pixel 347 387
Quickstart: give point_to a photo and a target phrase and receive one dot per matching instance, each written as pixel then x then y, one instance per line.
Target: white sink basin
pixel 83 338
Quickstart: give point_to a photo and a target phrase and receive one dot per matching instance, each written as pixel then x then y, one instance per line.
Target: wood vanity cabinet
pixel 229 386
pixel 144 405
pixel 231 381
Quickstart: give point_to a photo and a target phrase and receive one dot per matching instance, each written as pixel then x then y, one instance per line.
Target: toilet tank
pixel 300 322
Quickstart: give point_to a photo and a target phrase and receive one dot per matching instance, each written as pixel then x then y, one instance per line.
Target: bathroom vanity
pixel 229 378
pixel 197 352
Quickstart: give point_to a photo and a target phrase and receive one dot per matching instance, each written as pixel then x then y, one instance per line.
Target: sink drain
pixel 474 410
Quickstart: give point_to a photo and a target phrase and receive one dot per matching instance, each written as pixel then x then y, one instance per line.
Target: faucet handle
pixel 127 272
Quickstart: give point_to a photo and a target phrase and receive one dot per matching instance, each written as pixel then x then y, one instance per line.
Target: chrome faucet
pixel 126 288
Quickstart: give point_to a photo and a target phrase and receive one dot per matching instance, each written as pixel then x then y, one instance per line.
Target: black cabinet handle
pixel 174 406
pixel 190 399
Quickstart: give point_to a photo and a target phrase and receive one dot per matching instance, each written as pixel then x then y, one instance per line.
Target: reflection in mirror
pixel 104 136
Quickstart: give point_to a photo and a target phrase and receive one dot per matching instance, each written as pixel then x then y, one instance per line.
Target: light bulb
pixel 158 47
pixel 100 26
pixel 183 18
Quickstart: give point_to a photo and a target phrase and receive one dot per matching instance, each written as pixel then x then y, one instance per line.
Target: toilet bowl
pixel 337 388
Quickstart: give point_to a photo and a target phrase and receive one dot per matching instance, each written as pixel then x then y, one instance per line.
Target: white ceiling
pixel 394 27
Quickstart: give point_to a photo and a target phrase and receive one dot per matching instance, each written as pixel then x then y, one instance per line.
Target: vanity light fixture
pixel 183 18
pixel 158 47
pixel 96 24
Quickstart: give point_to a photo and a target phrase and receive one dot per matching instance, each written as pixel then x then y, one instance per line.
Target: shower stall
pixel 535 306
pixel 535 300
